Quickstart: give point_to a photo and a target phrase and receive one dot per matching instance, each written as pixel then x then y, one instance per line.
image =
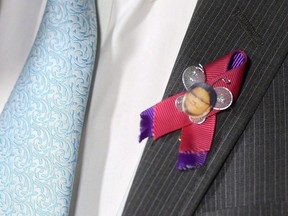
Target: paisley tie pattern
pixel 41 124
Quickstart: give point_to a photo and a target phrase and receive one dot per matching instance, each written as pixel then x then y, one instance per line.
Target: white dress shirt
pixel 19 23
pixel 140 40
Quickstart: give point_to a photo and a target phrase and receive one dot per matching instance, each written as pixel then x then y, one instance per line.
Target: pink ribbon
pixel 196 139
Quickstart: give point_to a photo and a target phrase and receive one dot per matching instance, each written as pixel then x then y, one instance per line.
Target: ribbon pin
pixel 209 90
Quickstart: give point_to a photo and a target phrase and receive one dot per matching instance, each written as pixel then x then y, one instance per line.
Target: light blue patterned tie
pixel 40 126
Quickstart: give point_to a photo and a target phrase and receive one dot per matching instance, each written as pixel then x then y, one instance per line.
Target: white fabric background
pixel 140 40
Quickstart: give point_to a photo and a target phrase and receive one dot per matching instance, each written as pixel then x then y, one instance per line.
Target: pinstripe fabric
pixel 255 173
pixel 216 28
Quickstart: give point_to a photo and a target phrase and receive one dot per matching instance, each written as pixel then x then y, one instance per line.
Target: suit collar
pixel 217 28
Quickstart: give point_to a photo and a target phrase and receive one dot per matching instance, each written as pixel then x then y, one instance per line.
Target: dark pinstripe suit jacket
pixel 246 172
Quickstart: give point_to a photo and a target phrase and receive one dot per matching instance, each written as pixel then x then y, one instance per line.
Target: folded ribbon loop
pixel 196 139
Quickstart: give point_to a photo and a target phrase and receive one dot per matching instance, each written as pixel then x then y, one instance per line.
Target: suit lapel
pixel 216 28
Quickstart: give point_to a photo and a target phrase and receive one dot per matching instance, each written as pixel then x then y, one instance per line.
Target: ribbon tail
pixel 196 142
pixel 191 160
pixel 161 119
pixel 198 137
pixel 146 123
